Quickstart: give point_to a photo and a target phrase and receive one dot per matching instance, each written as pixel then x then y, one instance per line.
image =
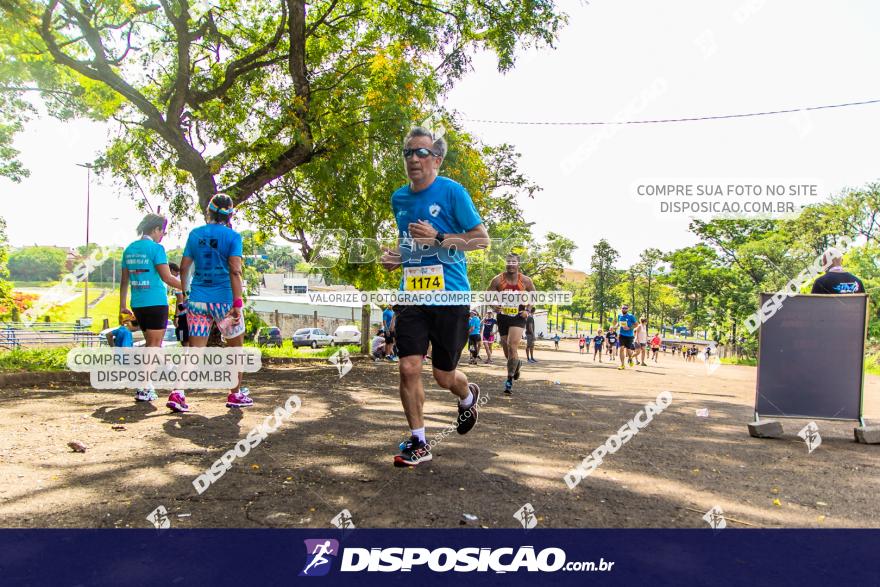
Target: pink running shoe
pixel 238 400
pixel 177 402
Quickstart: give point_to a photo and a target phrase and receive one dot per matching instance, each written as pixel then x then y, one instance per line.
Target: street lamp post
pixel 88 167
pixel 114 261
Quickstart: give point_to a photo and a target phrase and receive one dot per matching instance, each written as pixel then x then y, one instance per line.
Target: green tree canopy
pixel 37 263
pixel 604 278
pixel 581 300
pixel 5 286
pixel 694 273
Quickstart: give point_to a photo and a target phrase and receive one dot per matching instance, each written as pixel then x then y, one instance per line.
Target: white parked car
pixel 313 337
pixel 170 338
pixel 347 334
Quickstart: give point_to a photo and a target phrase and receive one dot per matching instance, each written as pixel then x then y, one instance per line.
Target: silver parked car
pixel 313 337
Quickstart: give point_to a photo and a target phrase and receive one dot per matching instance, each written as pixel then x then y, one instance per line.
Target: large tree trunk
pixel 366 311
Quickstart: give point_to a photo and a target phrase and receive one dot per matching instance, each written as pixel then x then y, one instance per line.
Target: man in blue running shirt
pixel 627 335
pixel 436 222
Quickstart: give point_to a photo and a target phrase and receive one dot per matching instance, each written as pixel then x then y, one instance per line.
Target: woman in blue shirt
pixel 213 254
pixel 145 270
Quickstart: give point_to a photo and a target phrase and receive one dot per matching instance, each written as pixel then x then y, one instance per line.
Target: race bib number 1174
pixel 427 278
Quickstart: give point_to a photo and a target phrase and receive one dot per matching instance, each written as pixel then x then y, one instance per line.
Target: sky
pixel 615 60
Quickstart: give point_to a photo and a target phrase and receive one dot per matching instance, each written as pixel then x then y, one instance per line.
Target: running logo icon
pixel 159 518
pixel 810 434
pixel 342 360
pixel 526 516
pixel 434 209
pixel 319 556
pixel 343 520
pixel 715 518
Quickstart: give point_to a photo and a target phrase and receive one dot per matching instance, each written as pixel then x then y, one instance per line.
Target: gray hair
pixel 150 223
pixel 421 131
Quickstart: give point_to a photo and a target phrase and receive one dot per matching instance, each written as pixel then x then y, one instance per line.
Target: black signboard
pixel 811 357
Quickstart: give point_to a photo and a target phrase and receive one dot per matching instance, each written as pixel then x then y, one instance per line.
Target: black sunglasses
pixel 421 153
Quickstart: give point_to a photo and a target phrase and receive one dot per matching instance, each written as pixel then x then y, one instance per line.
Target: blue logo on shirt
pixel 448 207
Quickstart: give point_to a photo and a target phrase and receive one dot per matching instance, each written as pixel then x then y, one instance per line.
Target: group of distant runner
pixel 632 345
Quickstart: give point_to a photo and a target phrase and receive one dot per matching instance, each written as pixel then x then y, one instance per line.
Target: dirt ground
pixel 336 453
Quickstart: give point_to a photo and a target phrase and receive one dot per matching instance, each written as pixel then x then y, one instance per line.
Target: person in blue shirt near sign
pixel 213 252
pixel 474 337
pixel 627 335
pixel 121 336
pixel 436 222
pixel 387 321
pixel 145 269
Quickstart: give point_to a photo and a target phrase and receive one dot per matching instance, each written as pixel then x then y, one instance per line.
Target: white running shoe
pixel 145 395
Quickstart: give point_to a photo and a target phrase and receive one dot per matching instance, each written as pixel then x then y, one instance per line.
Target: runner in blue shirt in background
pixel 598 341
pixel 474 337
pixel 387 321
pixel 627 322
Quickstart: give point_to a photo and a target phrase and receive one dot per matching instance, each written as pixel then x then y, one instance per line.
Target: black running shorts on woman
pixel 507 321
pixel 445 327
pixel 151 317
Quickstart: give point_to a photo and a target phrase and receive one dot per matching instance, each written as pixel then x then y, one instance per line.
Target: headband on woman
pixel 213 207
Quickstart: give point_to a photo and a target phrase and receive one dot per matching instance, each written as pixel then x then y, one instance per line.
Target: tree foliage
pixel 232 95
pixel 604 278
pixel 6 299
pixel 37 263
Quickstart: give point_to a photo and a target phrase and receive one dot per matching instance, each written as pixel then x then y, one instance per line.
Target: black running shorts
pixel 627 342
pixel 445 327
pixel 506 321
pixel 152 317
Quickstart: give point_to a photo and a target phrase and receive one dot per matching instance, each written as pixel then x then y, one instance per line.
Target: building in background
pixel 284 302
pixel 292 312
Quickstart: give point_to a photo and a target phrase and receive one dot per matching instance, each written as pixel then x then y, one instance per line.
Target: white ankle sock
pixel 419 433
pixel 468 401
